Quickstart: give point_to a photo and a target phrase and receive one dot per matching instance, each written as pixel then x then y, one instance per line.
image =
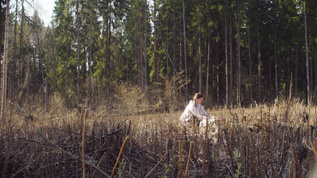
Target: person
pixel 195 113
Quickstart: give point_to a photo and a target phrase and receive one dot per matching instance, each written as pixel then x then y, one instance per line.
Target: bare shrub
pixel 131 99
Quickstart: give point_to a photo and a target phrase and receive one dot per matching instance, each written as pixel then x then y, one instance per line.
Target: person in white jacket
pixel 195 113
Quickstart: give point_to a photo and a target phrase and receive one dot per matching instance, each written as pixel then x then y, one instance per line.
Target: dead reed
pixel 258 141
pixel 119 156
pixel 83 143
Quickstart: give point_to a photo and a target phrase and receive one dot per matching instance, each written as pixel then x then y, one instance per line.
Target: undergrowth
pixel 261 140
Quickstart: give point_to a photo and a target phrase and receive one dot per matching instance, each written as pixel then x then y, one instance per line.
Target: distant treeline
pixel 232 51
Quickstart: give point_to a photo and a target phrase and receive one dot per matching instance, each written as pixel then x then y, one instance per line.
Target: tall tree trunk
pixel 226 57
pixel 28 78
pixel 167 76
pixel 47 94
pixel 145 50
pixel 259 67
pixel 296 69
pixel 315 70
pixel 140 47
pixel 218 72
pixel 4 88
pixel 155 43
pixel 108 49
pixel 307 58
pixel 174 46
pixel 230 100
pixel 36 87
pixel 181 51
pixel 208 63
pixel 270 79
pixel 14 52
pixel 185 56
pixel 20 49
pixel 5 63
pixel 289 77
pixel 311 77
pixel 66 68
pixel 78 52
pixel 239 58
pixel 89 62
pixel 199 48
pixel 41 63
pixel 276 69
pixel 250 64
pixel 54 60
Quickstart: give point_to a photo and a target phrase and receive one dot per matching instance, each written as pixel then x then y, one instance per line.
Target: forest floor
pixel 275 141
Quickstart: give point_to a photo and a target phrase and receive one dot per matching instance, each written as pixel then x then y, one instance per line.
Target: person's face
pixel 200 100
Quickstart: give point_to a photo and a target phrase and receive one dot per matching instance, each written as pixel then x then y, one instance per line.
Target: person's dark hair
pixel 197 96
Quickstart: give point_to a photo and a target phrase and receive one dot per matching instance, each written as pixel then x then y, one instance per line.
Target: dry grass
pixel 250 142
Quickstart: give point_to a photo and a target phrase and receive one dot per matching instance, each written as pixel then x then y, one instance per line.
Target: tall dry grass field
pixel 259 141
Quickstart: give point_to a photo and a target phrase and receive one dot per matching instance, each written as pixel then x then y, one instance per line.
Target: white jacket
pixel 193 110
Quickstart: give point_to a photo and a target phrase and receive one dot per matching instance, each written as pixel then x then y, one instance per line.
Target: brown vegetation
pixel 272 141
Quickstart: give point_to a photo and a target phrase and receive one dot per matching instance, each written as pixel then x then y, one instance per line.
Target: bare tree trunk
pixel 311 77
pixel 20 49
pixel 250 65
pixel 36 88
pixel 270 79
pixel 289 77
pixel 167 51
pixel 218 73
pixel 41 62
pixel 108 50
pixel 5 63
pixel 199 48
pixel 155 43
pixel 230 100
pixel 174 46
pixel 78 52
pixel 185 56
pixel 239 58
pixel 14 52
pixel 276 68
pixel 208 63
pixel 259 68
pixel 27 78
pixel 145 51
pixel 54 60
pixel 307 58
pixel 66 68
pixel 89 62
pixel 47 94
pixel 226 57
pixel 296 69
pixel 315 71
pixel 181 51
pixel 140 48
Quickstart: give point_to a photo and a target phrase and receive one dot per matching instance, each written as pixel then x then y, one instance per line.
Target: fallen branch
pixel 296 162
pixel 66 152
pixel 147 175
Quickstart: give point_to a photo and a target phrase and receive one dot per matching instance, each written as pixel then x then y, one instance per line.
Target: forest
pixel 234 52
pixel 133 66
